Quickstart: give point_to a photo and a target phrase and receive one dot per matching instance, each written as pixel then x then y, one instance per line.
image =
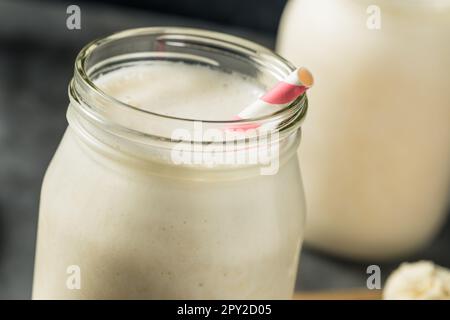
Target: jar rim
pixel 83 80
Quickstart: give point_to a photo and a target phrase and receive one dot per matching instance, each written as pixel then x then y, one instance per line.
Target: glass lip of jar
pixel 295 112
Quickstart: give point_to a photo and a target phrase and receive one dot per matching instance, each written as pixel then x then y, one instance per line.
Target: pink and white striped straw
pixel 280 96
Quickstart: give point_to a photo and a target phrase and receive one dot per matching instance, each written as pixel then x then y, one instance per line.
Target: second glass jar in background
pixel 376 148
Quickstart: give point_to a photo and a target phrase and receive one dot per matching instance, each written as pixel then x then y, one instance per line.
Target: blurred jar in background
pixel 376 148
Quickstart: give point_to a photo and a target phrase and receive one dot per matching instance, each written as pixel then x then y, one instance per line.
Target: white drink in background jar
pixel 376 149
pixel 137 226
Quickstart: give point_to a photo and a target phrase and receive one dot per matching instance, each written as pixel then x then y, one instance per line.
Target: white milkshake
pixel 137 226
pixel 181 90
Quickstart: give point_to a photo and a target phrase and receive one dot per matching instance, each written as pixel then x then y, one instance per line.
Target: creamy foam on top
pixel 181 90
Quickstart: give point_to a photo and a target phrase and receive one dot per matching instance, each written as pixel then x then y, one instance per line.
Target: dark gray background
pixel 36 60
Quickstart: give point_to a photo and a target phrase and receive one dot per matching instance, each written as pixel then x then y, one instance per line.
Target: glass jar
pixel 376 147
pixel 119 219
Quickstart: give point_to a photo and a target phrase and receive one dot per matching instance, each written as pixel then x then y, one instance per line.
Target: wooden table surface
pixel 351 294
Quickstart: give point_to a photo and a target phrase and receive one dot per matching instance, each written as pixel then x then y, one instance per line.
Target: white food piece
pixel 421 280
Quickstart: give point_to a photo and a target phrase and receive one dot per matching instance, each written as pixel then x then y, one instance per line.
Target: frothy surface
pixel 181 90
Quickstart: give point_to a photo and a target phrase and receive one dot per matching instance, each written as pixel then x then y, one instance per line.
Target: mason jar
pixel 121 218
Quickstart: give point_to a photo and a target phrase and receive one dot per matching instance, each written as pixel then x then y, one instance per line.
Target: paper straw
pixel 280 96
